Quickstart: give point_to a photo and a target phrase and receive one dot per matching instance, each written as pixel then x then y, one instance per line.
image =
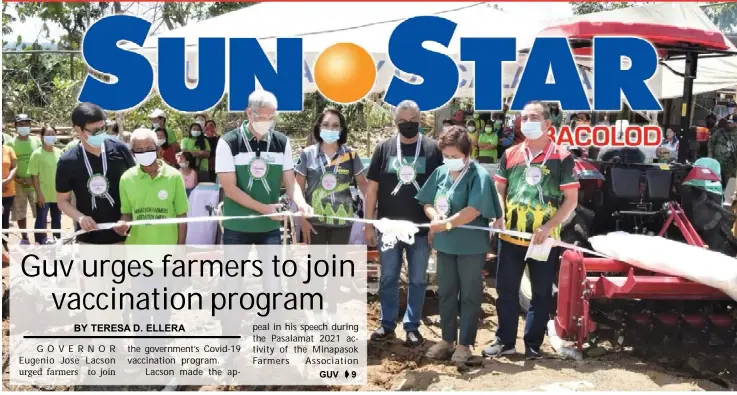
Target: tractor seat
pixel 625 183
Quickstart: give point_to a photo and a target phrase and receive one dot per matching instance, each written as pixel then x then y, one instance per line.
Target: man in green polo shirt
pixel 152 190
pixel 252 162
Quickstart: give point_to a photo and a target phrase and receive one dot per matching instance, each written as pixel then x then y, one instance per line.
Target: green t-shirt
pixel 172 137
pixel 23 150
pixel 488 138
pixel 476 190
pixel 146 198
pixel 189 144
pixel 43 165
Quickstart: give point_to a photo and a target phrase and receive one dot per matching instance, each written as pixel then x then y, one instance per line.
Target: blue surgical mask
pixel 195 133
pixel 329 136
pixel 454 164
pixel 97 140
pixel 23 130
pixel 49 140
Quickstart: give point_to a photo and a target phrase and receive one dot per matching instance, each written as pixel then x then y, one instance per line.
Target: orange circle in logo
pixel 345 73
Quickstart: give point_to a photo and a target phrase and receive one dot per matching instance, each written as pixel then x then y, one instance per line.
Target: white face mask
pixel 155 125
pixel 146 158
pixel 532 129
pixel 261 127
pixel 200 122
pixel 49 140
pixel 23 130
pixel 471 128
pixel 161 142
pixel 183 165
pixel 454 164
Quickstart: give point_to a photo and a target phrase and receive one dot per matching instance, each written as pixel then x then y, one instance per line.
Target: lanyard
pixel 258 157
pixel 458 180
pixel 528 162
pixel 341 150
pixel 106 194
pixel 401 162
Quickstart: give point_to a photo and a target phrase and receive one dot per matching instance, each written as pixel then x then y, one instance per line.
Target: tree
pixel 724 15
pixel 581 8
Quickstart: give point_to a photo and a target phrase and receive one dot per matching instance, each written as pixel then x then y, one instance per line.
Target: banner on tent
pixel 511 75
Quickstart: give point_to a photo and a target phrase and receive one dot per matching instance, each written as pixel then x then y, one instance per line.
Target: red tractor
pixel 596 295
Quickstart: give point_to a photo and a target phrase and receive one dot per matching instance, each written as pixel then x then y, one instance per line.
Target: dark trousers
pixel 41 220
pixel 510 269
pixel 460 293
pixel 7 206
pixel 329 235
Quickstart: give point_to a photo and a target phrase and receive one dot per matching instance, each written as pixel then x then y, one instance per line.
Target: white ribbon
pixel 248 147
pixel 106 195
pixel 400 162
pixel 341 150
pixel 392 231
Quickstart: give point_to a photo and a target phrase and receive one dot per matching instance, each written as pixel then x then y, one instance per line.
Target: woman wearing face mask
pixel 474 127
pixel 168 150
pixel 489 140
pixel 196 144
pixel 326 171
pixel 460 192
pixel 186 167
pixel 42 168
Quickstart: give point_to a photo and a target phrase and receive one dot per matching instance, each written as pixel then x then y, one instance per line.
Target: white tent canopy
pixel 369 25
pixel 366 24
pixel 712 73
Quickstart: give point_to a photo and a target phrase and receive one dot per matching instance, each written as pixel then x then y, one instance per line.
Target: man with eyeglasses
pixel 92 171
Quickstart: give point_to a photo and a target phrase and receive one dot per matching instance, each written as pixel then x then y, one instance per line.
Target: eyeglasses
pixel 97 131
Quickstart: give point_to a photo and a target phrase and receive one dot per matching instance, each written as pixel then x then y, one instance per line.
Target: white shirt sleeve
pixel 288 159
pixel 224 160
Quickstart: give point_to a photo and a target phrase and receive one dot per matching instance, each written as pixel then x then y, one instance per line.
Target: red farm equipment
pixel 597 296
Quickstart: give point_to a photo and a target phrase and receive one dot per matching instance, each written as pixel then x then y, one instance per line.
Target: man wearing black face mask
pixel 399 167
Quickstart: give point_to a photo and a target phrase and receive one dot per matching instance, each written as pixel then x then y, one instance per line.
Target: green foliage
pixel 724 15
pixel 581 8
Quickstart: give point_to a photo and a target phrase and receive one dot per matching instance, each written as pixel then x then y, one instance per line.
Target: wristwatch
pixel 448 225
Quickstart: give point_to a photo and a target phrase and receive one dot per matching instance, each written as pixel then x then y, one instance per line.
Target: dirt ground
pixel 393 366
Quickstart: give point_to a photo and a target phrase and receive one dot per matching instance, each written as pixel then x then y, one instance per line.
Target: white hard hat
pixel 157 113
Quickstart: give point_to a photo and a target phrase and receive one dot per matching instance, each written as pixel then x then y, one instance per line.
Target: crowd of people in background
pixel 108 175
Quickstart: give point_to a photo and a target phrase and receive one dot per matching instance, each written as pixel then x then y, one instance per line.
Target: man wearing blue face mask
pixel 538 191
pixel 325 171
pixel 92 171
pixel 42 168
pixel 24 144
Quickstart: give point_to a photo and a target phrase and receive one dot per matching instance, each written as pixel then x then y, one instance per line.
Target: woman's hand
pixel 307 230
pixel 438 225
pixel 498 223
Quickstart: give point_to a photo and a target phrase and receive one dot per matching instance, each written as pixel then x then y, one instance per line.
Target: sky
pixel 537 11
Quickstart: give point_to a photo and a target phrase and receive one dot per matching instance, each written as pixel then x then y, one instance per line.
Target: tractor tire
pixel 712 221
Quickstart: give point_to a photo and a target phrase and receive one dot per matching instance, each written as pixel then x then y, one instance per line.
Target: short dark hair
pixel 448 120
pixel 115 128
pixel 455 136
pixel 711 116
pixel 318 125
pixel 546 110
pixel 210 121
pixel 47 127
pixel 86 113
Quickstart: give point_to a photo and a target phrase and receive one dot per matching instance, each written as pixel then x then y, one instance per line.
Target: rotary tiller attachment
pixel 606 299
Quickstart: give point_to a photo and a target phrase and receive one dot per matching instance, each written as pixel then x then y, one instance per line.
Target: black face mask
pixel 409 129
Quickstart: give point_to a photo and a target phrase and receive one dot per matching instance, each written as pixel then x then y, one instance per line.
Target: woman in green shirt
pixel 489 139
pixel 196 144
pixel 460 192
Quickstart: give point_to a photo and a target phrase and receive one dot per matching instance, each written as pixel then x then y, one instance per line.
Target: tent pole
pixel 686 135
